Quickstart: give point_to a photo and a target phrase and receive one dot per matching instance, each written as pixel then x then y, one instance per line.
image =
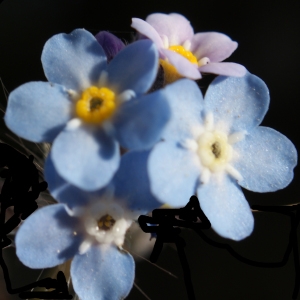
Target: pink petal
pixel 175 26
pixel 225 68
pixel 214 45
pixel 147 30
pixel 183 66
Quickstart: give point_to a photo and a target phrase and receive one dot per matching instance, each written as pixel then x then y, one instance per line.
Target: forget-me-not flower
pixel 186 53
pixel 211 147
pixel 90 228
pixel 89 108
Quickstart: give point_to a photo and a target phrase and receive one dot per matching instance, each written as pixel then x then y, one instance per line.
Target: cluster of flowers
pixel 119 151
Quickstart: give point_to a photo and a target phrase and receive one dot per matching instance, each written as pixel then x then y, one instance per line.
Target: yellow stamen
pixel 106 222
pixel 185 53
pixel 96 104
pixel 170 72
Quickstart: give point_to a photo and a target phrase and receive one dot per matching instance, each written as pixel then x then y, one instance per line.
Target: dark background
pixel 269 42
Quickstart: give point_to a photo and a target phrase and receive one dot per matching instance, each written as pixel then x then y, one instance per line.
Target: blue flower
pixel 212 147
pixel 84 109
pixel 89 227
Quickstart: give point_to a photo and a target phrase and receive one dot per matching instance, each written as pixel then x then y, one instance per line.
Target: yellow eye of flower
pixel 106 222
pixel 170 71
pixel 185 53
pixel 96 104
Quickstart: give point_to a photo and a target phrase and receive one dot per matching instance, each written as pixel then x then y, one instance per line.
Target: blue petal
pixel 63 191
pixel 132 182
pixel 241 102
pixel 173 173
pixel 224 204
pixel 38 111
pixel 48 237
pixel 134 68
pixel 85 157
pixel 139 122
pixel 266 160
pixel 186 102
pixel 73 60
pixel 104 272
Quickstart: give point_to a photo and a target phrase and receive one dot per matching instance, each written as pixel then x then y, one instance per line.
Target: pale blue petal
pixel 174 173
pixel 224 204
pixel 48 237
pixel 240 102
pixel 73 60
pixel 224 68
pixel 139 122
pixel 214 45
pixel 147 30
pixel 38 111
pixel 85 157
pixel 175 26
pixel 132 182
pixel 266 160
pixel 134 68
pixel 63 191
pixel 186 103
pixel 104 272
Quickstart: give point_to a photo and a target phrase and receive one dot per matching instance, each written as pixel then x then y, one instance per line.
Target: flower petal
pixel 111 44
pixel 104 272
pixel 134 68
pixel 175 26
pixel 240 102
pixel 224 68
pixel 48 237
pixel 173 173
pixel 61 190
pixel 266 160
pixel 147 30
pixel 38 111
pixel 139 122
pixel 186 103
pixel 214 45
pixel 85 157
pixel 73 60
pixel 224 204
pixel 132 182
pixel 183 66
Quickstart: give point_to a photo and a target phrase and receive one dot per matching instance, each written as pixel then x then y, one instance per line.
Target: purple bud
pixel 110 43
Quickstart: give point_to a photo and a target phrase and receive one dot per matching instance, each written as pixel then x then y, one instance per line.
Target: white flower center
pixel 214 150
pixel 104 221
pixel 213 147
pixel 107 223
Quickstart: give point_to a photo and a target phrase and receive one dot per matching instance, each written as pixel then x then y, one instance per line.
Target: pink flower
pixel 191 54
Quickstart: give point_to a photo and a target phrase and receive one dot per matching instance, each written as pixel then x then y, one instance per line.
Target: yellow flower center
pixel 106 222
pixel 96 104
pixel 170 72
pixel 185 53
pixel 214 150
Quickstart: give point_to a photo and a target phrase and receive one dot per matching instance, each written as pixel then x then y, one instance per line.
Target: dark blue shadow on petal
pixel 76 230
pixel 108 147
pixel 101 66
pixel 132 182
pixel 52 133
